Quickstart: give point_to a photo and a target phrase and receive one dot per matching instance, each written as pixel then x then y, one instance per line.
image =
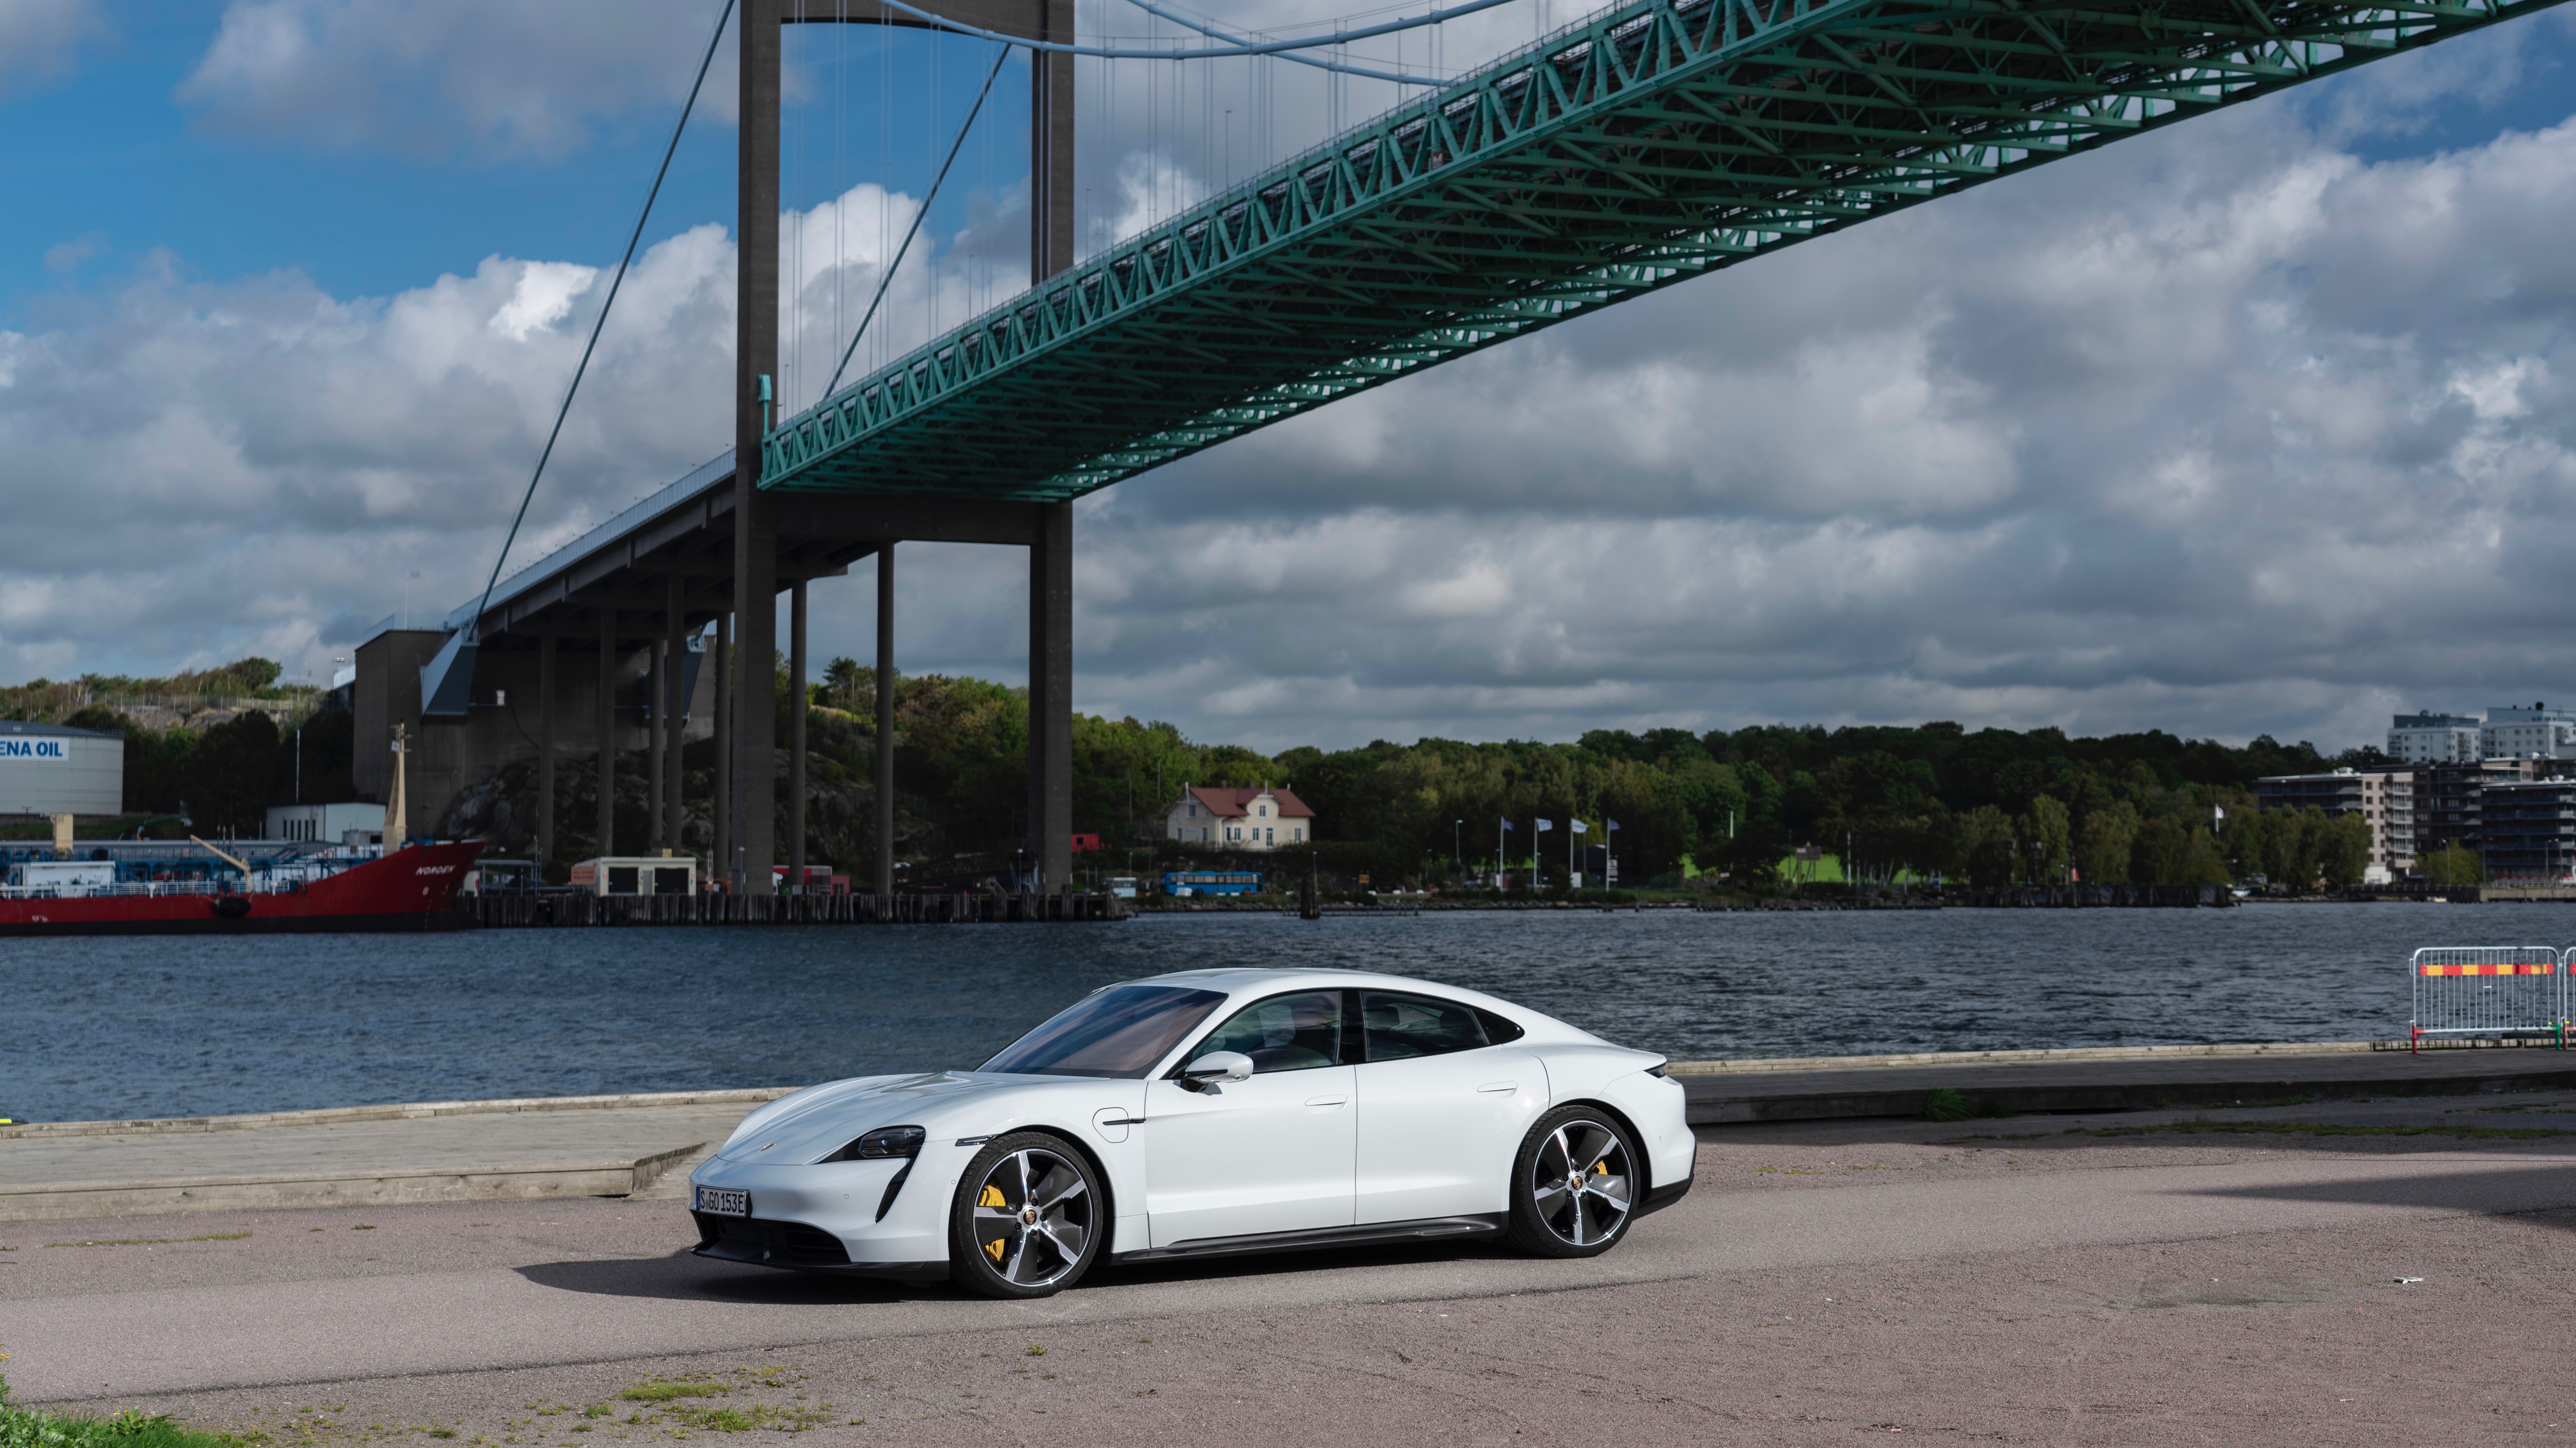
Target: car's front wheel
pixel 1027 1220
pixel 1574 1184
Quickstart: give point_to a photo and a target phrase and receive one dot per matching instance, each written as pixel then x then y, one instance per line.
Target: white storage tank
pixel 50 769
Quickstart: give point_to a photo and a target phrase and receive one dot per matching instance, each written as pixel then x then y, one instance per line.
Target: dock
pixel 539 909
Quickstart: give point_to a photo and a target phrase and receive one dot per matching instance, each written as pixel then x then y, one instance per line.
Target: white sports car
pixel 1206 1113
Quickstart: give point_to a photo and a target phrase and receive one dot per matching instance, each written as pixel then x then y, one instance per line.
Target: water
pixel 138 1026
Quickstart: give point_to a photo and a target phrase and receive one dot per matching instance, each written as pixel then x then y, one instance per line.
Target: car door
pixel 1442 1107
pixel 1271 1153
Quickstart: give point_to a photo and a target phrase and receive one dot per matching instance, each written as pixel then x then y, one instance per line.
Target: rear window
pixel 1120 1032
pixel 1402 1026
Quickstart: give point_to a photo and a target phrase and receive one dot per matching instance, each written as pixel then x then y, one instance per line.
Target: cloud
pixel 38 38
pixel 2226 429
pixel 488 78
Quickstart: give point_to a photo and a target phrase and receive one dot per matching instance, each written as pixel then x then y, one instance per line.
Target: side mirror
pixel 1216 1067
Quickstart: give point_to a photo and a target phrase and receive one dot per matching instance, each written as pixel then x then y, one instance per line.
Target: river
pixel 141 1026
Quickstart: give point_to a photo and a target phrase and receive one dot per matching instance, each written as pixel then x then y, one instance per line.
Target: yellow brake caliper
pixel 992 1197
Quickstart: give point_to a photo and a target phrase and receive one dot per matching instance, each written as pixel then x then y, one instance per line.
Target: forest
pixel 1988 807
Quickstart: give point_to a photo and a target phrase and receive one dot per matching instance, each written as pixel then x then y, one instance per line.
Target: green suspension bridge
pixel 1651 144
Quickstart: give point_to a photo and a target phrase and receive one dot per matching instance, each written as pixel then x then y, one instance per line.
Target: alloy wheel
pixel 1032 1217
pixel 1580 1181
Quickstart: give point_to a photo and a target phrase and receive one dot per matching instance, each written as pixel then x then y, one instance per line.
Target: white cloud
pixel 2221 430
pixel 485 77
pixel 38 39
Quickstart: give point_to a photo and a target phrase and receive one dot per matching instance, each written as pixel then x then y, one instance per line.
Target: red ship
pixel 112 893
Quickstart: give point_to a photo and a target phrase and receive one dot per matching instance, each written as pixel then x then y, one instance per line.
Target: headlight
pixel 883 1142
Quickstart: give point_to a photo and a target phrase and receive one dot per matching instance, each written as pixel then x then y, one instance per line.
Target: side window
pixel 1284 1033
pixel 1403 1026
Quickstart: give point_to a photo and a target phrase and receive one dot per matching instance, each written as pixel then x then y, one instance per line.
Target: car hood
pixel 820 1120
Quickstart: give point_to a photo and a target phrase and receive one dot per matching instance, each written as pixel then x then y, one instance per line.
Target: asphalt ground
pixel 2016 1280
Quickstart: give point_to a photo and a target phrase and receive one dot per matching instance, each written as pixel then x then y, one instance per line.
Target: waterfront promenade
pixel 2021 1279
pixel 645 1144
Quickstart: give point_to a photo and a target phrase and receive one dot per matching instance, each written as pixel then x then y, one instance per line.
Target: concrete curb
pixel 2012 1058
pixel 324 1116
pixel 55 1201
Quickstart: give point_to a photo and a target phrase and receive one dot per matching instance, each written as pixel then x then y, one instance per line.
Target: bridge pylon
pixel 752 748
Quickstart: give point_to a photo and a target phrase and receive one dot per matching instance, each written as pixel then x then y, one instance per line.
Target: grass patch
pixel 151 1241
pixel 777 1417
pixel 1945 1104
pixel 2306 1128
pixel 665 1392
pixel 25 1428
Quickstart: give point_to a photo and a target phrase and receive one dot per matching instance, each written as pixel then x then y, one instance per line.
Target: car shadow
pixel 684 1276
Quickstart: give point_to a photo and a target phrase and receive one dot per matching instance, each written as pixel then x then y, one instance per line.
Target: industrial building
pixel 53 769
pixel 337 824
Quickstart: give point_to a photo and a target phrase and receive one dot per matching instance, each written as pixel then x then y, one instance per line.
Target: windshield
pixel 1120 1032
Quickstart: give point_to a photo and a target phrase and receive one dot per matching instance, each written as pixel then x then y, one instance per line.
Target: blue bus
pixel 1211 882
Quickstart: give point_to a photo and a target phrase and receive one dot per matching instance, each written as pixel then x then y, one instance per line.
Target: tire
pixel 1028 1219
pixel 1554 1216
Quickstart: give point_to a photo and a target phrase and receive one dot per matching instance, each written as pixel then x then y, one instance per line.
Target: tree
pixel 2159 855
pixel 2044 829
pixel 1985 847
pixel 2202 864
pixel 2344 850
pixel 2452 865
pixel 2110 839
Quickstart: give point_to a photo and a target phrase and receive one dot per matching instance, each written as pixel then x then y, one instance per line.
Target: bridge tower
pixel 751 750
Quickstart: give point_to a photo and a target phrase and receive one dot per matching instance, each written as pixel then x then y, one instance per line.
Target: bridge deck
pixel 1650 144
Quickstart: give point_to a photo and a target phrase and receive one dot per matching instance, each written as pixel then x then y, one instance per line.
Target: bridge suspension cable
pixel 474 625
pixel 1262 47
pixel 1338 67
pixel 919 213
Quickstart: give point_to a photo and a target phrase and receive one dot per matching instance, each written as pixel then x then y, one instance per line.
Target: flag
pixel 1507 824
pixel 1581 828
pixel 1546 825
pixel 1613 824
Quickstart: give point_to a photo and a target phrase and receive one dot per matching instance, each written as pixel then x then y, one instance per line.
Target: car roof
pixel 1240 981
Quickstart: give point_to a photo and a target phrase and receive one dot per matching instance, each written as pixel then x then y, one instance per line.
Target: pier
pixel 962 907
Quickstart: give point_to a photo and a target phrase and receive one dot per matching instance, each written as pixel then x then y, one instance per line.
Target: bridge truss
pixel 1653 143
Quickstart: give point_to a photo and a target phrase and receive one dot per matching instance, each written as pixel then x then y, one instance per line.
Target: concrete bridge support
pixel 885 722
pixel 607 731
pixel 752 814
pixel 546 664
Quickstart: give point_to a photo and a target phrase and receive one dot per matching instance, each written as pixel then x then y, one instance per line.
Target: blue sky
pixel 126 167
pixel 2263 423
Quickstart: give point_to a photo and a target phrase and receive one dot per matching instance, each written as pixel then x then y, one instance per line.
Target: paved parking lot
pixel 1992 1280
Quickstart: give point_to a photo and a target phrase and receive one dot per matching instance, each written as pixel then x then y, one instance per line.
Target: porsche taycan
pixel 1208 1113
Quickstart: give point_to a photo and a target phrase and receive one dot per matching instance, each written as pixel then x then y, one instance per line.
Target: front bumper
pixel 879 1218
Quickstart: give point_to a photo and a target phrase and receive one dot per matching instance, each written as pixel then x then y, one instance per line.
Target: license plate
pixel 724 1202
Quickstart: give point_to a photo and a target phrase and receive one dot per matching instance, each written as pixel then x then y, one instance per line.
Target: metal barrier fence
pixel 2503 991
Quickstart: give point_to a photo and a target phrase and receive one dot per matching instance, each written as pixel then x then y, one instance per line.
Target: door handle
pixel 1497 1086
pixel 1327 1100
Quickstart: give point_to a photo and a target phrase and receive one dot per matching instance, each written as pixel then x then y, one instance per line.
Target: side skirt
pixel 1427 1229
pixel 1658 1198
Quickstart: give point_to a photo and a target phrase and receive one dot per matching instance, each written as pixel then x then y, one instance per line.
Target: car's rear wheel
pixel 1027 1221
pixel 1574 1184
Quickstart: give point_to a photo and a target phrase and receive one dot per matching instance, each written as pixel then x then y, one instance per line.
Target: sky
pixel 2262 423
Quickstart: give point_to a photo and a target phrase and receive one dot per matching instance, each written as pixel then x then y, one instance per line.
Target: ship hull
pixel 410 889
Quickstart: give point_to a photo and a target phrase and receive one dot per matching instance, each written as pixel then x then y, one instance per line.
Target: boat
pixel 241 887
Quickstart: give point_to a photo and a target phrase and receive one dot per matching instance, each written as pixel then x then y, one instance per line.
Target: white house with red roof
pixel 1239 819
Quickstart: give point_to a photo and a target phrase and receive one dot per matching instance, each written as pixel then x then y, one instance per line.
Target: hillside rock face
pixel 839 812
